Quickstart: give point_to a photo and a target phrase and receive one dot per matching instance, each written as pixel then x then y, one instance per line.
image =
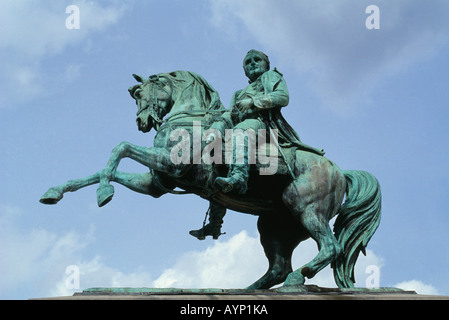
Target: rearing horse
pixel 289 209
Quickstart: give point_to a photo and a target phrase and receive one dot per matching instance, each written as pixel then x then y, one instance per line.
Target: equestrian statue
pixel 247 159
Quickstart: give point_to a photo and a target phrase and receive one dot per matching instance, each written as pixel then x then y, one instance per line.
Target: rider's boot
pixel 237 179
pixel 213 228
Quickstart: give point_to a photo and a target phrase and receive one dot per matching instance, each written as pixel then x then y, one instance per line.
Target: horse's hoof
pixel 105 193
pixel 52 196
pixel 294 279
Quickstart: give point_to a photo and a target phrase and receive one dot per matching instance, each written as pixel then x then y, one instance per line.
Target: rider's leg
pixel 236 180
pixel 213 228
pixel 243 153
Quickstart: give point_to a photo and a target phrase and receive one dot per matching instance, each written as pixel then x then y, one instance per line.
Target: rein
pixel 188 113
pixel 169 121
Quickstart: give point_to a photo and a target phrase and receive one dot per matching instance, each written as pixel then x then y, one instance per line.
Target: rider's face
pixel 254 66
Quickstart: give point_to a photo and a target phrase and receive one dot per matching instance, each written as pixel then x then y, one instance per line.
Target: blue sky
pixel 375 100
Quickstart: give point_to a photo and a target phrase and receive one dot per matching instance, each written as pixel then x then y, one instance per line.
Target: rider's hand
pixel 246 104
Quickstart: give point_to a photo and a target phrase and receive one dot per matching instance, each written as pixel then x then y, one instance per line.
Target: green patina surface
pixel 306 289
pixel 294 202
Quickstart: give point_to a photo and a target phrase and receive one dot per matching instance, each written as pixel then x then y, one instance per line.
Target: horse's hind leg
pixel 279 236
pixel 314 198
pixel 328 246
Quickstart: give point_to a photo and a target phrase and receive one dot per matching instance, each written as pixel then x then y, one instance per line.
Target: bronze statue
pixel 256 107
pixel 293 203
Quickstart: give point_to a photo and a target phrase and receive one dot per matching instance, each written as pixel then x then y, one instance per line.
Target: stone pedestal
pixel 307 301
pixel 308 292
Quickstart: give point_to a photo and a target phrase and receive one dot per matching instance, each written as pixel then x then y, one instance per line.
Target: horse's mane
pixel 192 92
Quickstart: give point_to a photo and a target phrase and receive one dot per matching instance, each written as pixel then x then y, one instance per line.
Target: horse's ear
pixel 139 78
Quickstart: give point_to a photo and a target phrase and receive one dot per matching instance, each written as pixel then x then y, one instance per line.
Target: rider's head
pixel 255 64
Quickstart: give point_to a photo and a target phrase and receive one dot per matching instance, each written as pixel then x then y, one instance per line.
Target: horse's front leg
pixel 54 194
pixel 138 182
pixel 157 159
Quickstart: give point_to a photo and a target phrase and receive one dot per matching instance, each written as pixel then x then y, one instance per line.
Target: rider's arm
pixel 275 91
pixel 220 124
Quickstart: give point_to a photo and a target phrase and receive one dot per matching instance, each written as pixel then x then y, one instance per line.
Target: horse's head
pixel 153 98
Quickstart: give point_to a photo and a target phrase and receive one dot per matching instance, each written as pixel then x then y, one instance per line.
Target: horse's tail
pixel 357 220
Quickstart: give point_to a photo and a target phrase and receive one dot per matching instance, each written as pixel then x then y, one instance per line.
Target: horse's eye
pixel 138 94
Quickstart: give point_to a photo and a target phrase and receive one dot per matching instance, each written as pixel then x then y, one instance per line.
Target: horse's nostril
pixel 139 122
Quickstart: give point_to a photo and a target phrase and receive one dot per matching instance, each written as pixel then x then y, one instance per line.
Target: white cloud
pixel 239 261
pixel 417 286
pixel 34 30
pixel 32 258
pixel 34 262
pixel 229 264
pixel 37 28
pixel 95 273
pixel 329 44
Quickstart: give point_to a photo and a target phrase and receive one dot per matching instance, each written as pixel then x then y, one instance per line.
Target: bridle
pixel 152 103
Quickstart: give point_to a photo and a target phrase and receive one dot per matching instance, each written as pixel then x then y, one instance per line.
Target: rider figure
pixel 258 106
pixel 255 107
pixel 249 107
